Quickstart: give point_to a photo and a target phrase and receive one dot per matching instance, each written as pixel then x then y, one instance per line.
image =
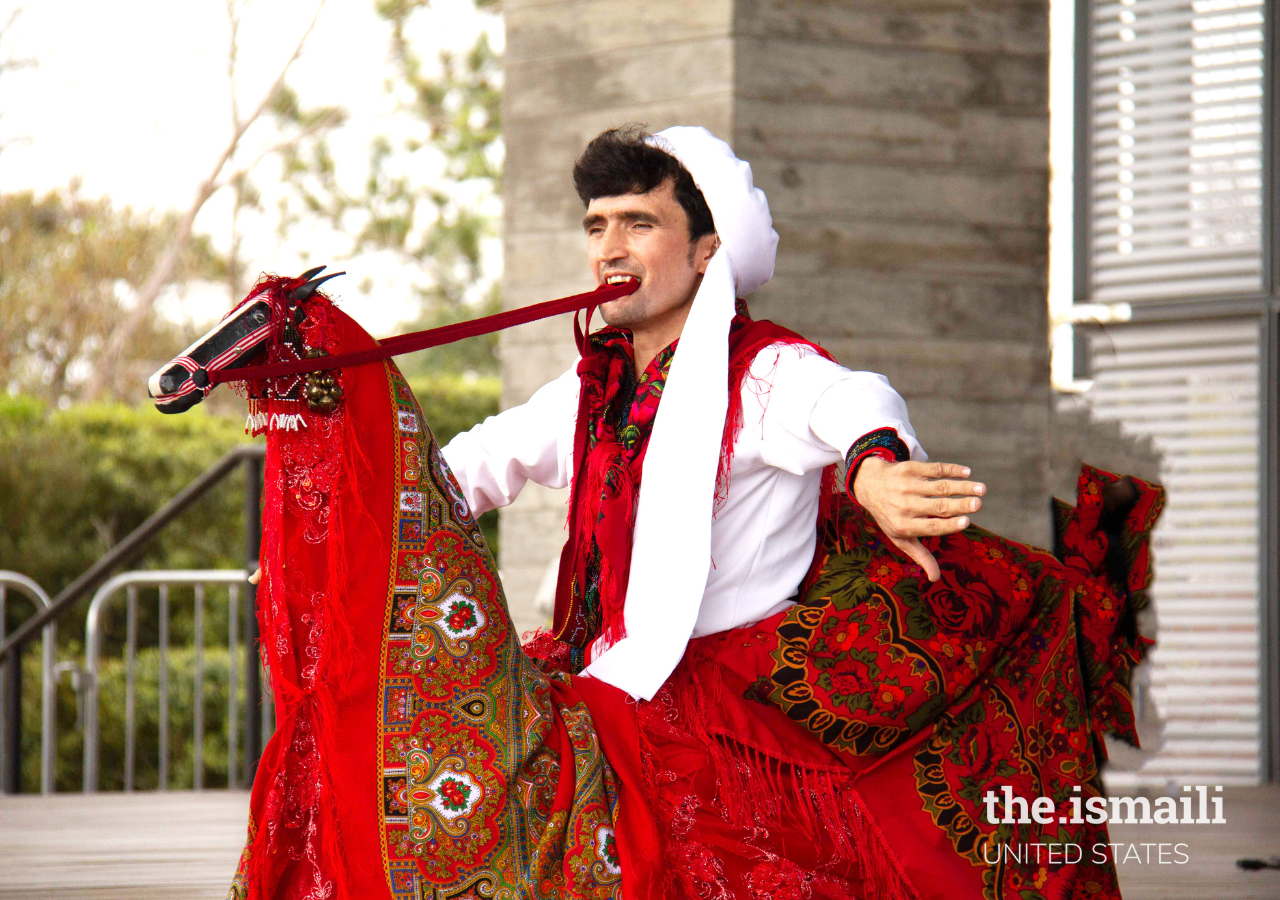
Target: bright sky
pixel 132 97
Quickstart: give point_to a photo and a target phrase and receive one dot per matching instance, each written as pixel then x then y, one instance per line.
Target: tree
pixel 70 271
pixel 438 225
pixel 234 168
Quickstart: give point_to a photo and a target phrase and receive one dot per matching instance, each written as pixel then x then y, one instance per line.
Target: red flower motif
pixel 966 602
pixel 844 637
pixel 993 555
pixel 886 571
pixel 610 850
pixel 455 794
pixel 888 698
pixel 944 647
pixel 986 747
pixel 1022 588
pixel 461 617
pixel 851 677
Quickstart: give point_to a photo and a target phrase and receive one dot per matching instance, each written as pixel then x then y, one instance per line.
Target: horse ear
pixel 304 291
pixel 311 273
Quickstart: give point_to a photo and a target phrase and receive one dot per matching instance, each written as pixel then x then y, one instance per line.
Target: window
pixel 1175 249
pixel 1176 169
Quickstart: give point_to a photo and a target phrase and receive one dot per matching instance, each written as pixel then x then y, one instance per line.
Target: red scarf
pixel 608 458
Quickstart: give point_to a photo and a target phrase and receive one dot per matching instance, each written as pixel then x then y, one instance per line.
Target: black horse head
pixel 238 340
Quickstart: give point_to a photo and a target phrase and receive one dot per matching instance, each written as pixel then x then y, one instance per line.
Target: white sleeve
pixel 530 442
pixel 812 410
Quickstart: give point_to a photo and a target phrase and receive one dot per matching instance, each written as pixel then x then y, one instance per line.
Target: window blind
pixel 1193 389
pixel 1176 174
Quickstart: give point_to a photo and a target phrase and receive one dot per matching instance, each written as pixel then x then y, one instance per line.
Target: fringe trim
pixel 753 784
pixel 307 698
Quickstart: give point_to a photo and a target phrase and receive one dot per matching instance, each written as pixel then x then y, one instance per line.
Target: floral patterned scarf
pixel 615 418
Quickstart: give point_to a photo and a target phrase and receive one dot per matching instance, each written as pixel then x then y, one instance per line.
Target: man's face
pixel 645 237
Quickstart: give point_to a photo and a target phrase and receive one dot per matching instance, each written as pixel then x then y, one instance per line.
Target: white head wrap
pixel 671 543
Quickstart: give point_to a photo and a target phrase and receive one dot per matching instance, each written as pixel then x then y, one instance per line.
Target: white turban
pixel 671 543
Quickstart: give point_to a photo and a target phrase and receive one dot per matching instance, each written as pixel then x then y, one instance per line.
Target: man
pixel 749 690
pixel 748 500
pixel 699 444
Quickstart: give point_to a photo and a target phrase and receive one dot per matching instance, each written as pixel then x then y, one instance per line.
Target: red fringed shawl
pixel 416 752
pixel 843 747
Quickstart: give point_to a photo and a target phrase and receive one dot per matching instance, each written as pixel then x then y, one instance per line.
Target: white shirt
pixel 801 412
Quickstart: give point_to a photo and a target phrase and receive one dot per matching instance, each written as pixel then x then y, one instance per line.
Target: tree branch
pixel 167 264
pixel 332 117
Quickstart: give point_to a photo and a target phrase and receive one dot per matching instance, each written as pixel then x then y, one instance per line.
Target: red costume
pixel 841 748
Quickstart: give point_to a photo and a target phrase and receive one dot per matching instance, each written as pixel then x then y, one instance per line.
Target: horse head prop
pixel 407 714
pixel 239 340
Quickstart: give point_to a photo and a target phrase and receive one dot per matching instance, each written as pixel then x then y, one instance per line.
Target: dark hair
pixel 621 161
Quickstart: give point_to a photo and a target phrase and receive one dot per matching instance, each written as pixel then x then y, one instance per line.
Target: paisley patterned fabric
pixel 474 737
pixel 418 752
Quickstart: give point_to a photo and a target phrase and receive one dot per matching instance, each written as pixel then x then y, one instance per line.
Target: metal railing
pixel 127 550
pixel 11 674
pixel 126 586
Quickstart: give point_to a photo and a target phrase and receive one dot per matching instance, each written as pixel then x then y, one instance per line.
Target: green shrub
pixel 111 718
pixel 453 403
pixel 75 481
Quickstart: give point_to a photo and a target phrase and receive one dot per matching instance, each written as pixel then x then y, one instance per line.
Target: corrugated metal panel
pixel 1177 149
pixel 1193 389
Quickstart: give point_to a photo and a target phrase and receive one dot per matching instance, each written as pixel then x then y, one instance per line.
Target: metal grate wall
pixel 1176 170
pixel 1193 388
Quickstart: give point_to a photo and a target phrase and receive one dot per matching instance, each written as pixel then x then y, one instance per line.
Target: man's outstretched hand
pixel 910 500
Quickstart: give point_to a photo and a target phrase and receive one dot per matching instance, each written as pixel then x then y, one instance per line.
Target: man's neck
pixel 652 338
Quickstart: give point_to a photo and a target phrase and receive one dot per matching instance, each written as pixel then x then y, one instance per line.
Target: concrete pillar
pixel 904 149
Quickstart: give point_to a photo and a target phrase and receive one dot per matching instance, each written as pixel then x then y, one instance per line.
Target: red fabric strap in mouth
pixel 431 337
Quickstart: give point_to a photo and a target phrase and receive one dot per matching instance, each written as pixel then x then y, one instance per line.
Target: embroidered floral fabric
pixel 840 749
pixel 883 442
pixel 418 752
pixel 620 412
pixel 1007 672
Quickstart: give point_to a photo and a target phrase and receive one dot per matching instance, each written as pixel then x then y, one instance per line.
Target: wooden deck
pixel 183 845
pixel 147 846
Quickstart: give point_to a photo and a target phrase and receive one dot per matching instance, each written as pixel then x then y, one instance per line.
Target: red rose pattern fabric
pixel 1006 672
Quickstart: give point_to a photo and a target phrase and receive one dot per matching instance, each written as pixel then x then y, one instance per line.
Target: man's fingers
pixel 922 557
pixel 939 470
pixel 935 527
pixel 946 507
pixel 934 469
pixel 927 527
pixel 943 487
